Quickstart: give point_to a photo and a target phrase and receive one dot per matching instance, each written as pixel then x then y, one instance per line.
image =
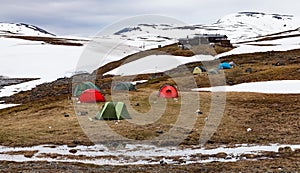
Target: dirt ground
pixel 273 118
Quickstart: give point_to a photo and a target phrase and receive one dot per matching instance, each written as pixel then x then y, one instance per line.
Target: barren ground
pixel 273 118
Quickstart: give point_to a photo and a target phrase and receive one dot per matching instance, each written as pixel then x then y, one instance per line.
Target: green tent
pixel 127 86
pixel 78 89
pixel 113 111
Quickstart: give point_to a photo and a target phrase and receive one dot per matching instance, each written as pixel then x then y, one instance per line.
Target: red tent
pixel 90 96
pixel 168 91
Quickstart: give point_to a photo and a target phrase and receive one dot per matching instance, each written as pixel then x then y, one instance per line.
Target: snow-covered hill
pixel 252 24
pixel 22 29
pixel 238 27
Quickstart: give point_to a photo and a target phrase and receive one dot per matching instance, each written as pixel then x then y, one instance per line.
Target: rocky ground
pixel 4 81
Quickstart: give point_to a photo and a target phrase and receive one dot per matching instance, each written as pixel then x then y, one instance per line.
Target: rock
pixel 297 151
pixel 76 142
pixel 82 113
pixel 221 155
pixel 270 154
pixel 53 155
pixel 285 150
pixel 73 151
pixel 72 145
pixel 29 154
pixel 198 112
pixel 249 156
pixel 206 119
pixel 159 131
pixel 279 63
pixel 163 162
pixel 248 70
pixel 181 161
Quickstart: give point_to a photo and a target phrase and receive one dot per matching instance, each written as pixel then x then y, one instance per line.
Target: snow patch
pixel 156 63
pixel 135 154
pixel 13 89
pixel 3 106
pixel 271 87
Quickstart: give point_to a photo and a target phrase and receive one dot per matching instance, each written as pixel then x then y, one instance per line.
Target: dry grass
pixel 272 118
pixel 40 123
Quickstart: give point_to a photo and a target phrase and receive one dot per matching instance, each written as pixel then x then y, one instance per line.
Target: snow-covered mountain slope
pixel 253 24
pixel 238 27
pixel 249 31
pixel 32 59
pixel 26 59
pixel 22 29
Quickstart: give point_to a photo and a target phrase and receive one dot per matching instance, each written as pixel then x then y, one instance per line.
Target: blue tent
pixel 224 65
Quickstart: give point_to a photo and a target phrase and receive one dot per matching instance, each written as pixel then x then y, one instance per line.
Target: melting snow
pixel 3 106
pixel 273 87
pixel 134 154
pixel 156 63
pixel 28 59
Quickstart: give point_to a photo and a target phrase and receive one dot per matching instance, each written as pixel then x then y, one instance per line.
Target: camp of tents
pixel 88 92
pixel 224 65
pixel 115 110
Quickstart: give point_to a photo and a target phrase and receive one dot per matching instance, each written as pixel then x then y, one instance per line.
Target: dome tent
pixel 113 111
pixel 197 70
pixel 84 86
pixel 203 69
pixel 127 86
pixel 168 91
pixel 224 65
pixel 91 96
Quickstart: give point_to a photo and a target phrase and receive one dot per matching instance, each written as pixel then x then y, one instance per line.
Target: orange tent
pixel 168 91
pixel 90 96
